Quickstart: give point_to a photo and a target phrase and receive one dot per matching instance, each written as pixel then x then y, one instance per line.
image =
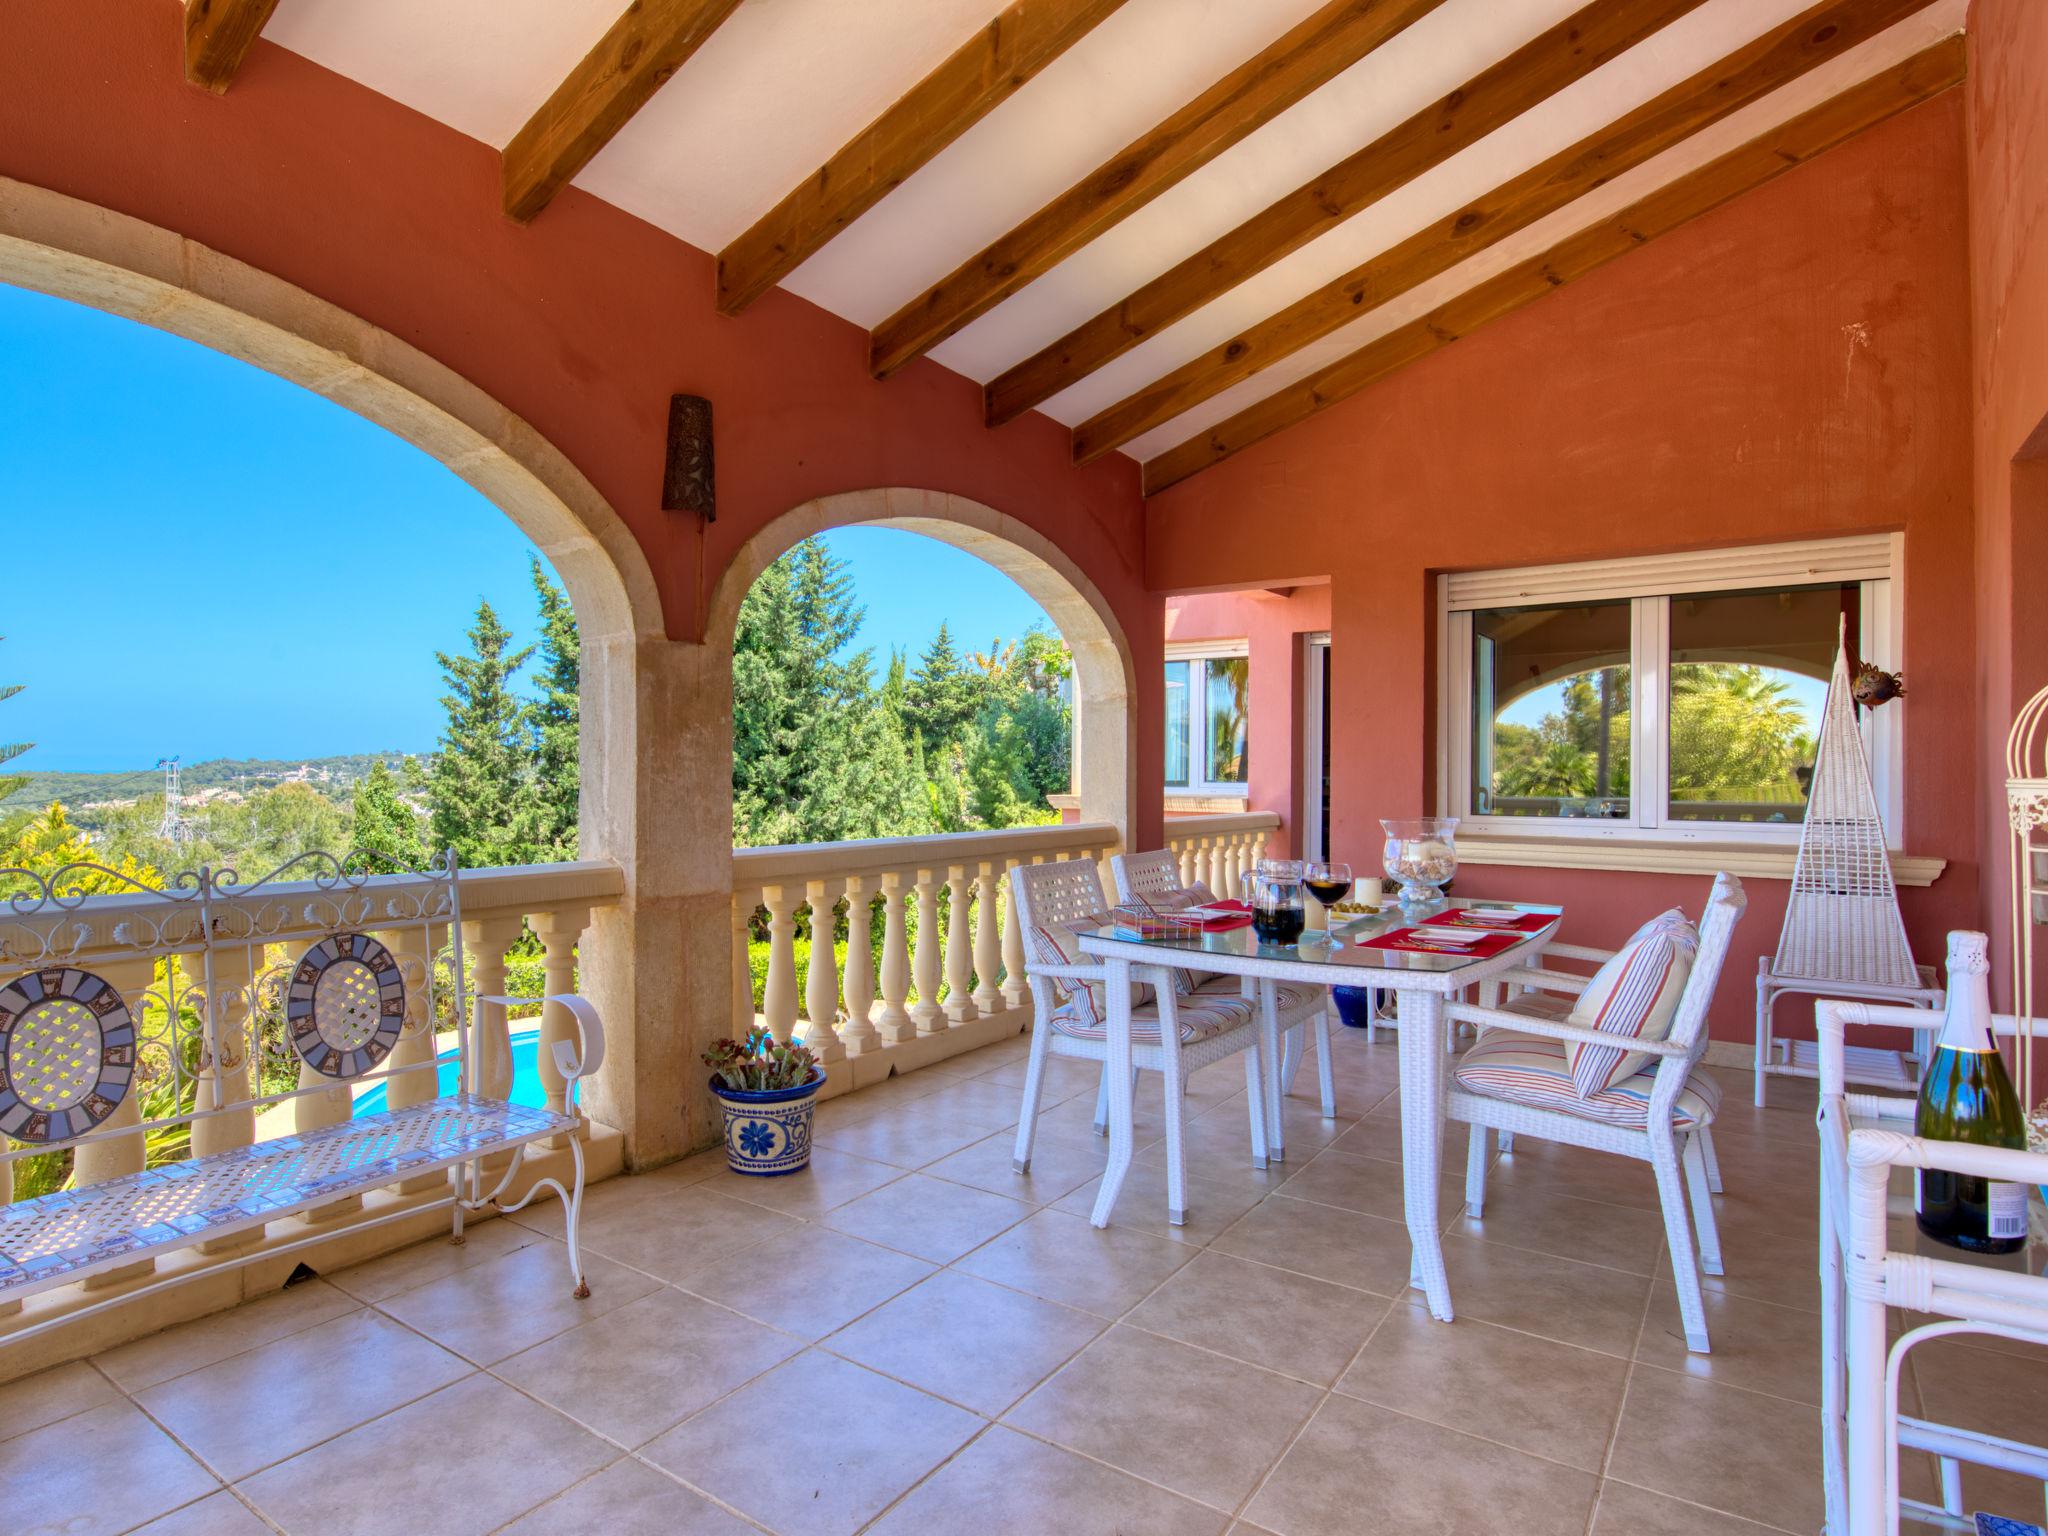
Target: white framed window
pixel 1208 718
pixel 1666 698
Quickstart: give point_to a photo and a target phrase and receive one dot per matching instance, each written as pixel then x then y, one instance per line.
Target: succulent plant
pixel 759 1064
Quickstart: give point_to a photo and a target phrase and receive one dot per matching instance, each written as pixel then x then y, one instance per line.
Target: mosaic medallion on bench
pixel 346 1005
pixel 67 1054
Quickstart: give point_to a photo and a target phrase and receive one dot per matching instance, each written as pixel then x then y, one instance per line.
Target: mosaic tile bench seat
pixel 60 1237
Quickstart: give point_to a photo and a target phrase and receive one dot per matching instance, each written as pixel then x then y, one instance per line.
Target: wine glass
pixel 1329 882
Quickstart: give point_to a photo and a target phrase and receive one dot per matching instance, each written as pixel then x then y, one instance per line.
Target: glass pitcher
pixel 1279 911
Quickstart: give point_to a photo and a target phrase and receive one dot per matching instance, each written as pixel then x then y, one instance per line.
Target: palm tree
pixel 1736 734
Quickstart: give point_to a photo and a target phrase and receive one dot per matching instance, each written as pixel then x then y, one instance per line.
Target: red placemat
pixel 1528 922
pixel 1480 949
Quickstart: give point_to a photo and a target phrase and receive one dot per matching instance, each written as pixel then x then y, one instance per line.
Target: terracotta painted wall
pixel 1795 364
pixel 1273 625
pixel 583 323
pixel 2008 160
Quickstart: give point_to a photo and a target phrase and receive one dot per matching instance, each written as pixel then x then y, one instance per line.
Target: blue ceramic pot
pixel 1354 1005
pixel 769 1133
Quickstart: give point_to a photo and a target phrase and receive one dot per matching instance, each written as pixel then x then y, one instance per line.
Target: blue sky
pixel 202 560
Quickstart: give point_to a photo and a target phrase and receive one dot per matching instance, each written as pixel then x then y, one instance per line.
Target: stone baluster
pixel 559 931
pixel 485 943
pixel 107 1153
pixel 988 939
pixel 416 948
pixel 745 901
pixel 960 1007
pixel 1190 870
pixel 857 1032
pixel 1016 990
pixel 778 1003
pixel 1219 865
pixel 895 1023
pixel 821 979
pixel 926 1012
pixel 226 1069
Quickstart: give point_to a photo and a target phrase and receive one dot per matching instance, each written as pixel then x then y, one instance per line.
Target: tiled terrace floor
pixel 911 1338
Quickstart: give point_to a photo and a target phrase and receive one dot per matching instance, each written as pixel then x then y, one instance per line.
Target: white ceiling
pixel 783 83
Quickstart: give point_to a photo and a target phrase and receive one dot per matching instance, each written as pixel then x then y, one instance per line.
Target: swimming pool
pixel 526 1084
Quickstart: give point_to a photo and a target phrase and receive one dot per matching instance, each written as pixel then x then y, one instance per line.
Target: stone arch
pixel 1104 672
pixel 93 256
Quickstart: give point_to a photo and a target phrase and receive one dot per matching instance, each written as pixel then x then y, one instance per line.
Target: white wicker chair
pixel 1154 878
pixel 1671 1108
pixel 1047 895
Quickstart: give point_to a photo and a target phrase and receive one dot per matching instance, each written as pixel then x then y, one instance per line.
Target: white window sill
pixel 1748 861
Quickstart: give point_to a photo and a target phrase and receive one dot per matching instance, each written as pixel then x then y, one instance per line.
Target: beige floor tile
pixel 1551 1400
pixel 1587 1230
pixel 1369 1185
pixel 243 1413
pixel 671 1233
pixel 513 1302
pixel 809 1282
pixel 1075 1117
pixel 1060 1164
pixel 1737 1451
pixel 1212 1207
pixel 1986 1390
pixel 96 1473
pixel 1359 1467
pixel 694 1169
pixel 1064 1077
pixel 971 1342
pixel 33 1401
pixel 634 1372
pixel 1340 1246
pixel 628 1498
pixel 1757 1345
pixel 191 1345
pixel 929 1218
pixel 1577 1172
pixel 1776 1265
pixel 1555 1298
pixel 842 1444
pixel 1216 1164
pixel 1062 1258
pixel 908 1138
pixel 1286 1322
pixel 432 1259
pixel 828 1182
pixel 219 1514
pixel 987 1106
pixel 1627 1511
pixel 1378 1134
pixel 1007 1484
pixel 1184 1418
pixel 391 1477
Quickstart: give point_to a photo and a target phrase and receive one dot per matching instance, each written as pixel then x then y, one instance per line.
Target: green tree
pixel 479 785
pixel 553 718
pixel 49 844
pixel 943 695
pixel 384 824
pixel 1736 734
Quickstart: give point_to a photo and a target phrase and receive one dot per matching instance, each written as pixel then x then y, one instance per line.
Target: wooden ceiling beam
pixel 1752 72
pixel 1927 74
pixel 1329 42
pixel 976 79
pixel 218 36
pixel 649 43
pixel 1569 51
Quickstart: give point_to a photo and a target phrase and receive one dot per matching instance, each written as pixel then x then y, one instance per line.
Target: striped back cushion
pixel 1634 996
pixel 1179 899
pixel 1083 1005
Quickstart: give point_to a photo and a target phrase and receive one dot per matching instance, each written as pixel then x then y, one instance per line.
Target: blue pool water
pixel 526 1084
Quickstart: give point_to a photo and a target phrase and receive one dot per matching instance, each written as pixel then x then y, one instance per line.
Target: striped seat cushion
pixel 1201 1017
pixel 1633 996
pixel 1293 997
pixel 1528 1069
pixel 1085 1001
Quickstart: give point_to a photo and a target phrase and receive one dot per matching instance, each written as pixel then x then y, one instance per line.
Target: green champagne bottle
pixel 1966 1094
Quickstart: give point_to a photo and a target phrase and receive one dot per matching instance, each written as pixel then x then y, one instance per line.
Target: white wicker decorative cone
pixel 1842 919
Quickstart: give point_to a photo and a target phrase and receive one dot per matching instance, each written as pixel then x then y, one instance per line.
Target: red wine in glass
pixel 1329 883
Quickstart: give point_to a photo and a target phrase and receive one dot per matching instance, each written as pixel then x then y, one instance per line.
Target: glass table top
pixel 1340 951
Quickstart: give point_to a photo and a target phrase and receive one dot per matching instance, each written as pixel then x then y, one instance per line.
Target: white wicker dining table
pixel 1420 982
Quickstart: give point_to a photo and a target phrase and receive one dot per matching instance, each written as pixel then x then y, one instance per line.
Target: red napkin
pixel 1480 949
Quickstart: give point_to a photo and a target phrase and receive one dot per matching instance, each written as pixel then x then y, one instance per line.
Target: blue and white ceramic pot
pixel 769 1133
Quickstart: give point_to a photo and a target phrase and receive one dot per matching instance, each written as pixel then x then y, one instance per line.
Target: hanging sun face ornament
pixel 346 1005
pixel 1873 687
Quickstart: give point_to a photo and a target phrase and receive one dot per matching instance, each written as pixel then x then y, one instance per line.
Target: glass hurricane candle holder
pixel 1422 854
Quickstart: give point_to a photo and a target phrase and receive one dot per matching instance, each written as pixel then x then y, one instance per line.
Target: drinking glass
pixel 1329 882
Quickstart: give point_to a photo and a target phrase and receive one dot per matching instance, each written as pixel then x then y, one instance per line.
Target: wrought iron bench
pixel 130 1015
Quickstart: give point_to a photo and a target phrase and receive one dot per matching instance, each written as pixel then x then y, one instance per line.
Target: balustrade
pixel 1220 851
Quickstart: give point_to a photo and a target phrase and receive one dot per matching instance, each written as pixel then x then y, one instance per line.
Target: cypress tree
pixel 553 720
pixel 478 785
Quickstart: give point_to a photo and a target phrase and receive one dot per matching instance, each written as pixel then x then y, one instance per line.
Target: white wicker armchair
pixel 1171 1035
pixel 1662 1115
pixel 1154 878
